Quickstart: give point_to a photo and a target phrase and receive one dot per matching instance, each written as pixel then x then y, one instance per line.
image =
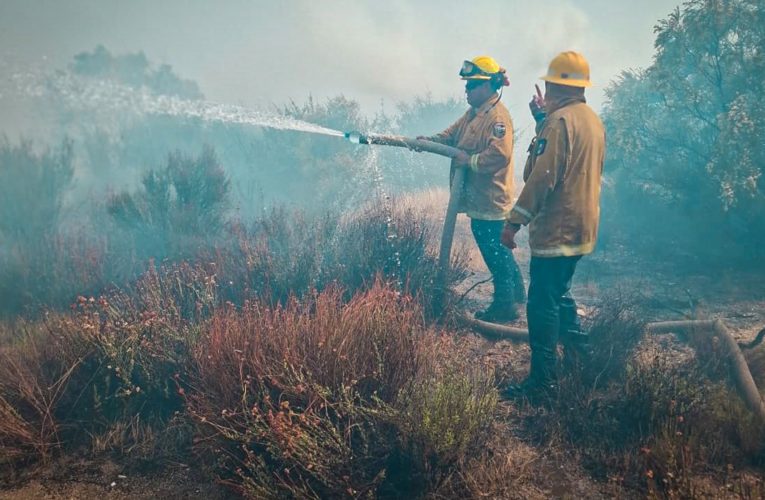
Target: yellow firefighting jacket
pixel 561 198
pixel 486 134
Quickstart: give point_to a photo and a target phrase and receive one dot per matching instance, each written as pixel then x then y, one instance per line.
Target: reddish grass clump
pixel 314 398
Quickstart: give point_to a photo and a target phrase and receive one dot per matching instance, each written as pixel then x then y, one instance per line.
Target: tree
pixel 135 71
pixel 32 191
pixel 686 134
pixel 178 208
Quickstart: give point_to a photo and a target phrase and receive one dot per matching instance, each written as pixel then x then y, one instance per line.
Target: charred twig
pixel 462 297
pixel 754 343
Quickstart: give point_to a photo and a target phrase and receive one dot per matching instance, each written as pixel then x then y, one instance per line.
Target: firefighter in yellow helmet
pixel 485 134
pixel 560 203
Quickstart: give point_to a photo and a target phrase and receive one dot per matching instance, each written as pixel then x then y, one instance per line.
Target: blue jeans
pixel 508 282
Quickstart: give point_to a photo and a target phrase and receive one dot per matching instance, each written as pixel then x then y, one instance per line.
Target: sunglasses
pixel 474 84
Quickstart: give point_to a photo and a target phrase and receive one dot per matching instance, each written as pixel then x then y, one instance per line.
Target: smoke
pixel 394 50
pixel 266 54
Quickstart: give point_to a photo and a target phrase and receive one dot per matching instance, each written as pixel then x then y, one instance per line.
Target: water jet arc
pixel 450 219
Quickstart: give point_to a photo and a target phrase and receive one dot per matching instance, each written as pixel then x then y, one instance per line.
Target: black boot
pixel 542 383
pixel 499 312
pixel 531 390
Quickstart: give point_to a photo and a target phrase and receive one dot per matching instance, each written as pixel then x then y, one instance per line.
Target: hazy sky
pixel 260 52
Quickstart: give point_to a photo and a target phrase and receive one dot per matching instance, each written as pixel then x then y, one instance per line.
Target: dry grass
pixel 506 468
pixel 34 377
pixel 300 359
pixel 314 398
pixel 651 415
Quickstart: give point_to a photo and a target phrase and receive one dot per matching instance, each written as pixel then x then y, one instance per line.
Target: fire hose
pixel 742 376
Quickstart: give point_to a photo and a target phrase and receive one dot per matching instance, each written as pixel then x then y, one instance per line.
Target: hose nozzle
pixel 356 137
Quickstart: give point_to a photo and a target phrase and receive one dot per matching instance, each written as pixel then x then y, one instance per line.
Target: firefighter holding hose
pixel 485 136
pixel 560 204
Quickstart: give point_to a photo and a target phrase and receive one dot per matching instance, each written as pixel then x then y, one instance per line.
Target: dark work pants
pixel 551 314
pixel 508 282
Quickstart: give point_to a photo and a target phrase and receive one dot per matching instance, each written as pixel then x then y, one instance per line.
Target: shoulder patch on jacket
pixel 541 146
pixel 499 130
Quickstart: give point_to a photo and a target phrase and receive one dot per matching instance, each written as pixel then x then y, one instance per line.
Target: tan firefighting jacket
pixel 561 198
pixel 486 134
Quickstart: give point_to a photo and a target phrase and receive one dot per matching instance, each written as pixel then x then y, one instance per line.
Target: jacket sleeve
pixel 498 153
pixel 546 169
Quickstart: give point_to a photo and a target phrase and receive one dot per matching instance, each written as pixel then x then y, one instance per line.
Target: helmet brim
pixel 569 82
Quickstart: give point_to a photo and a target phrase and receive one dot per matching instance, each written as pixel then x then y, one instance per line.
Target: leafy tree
pixel 425 116
pixel 686 136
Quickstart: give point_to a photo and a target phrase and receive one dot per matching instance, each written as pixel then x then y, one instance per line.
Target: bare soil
pixel 105 478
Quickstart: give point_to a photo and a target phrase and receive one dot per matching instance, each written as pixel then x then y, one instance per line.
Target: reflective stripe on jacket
pixel 561 198
pixel 486 134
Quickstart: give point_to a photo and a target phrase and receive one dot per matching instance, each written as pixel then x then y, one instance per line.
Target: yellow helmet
pixel 569 68
pixel 480 68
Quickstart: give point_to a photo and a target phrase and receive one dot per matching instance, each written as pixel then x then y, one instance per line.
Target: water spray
pixel 458 180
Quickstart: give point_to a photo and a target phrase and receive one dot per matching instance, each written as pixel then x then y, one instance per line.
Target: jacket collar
pixel 485 107
pixel 566 101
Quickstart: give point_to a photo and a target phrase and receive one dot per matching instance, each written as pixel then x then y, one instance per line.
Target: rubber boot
pixel 499 312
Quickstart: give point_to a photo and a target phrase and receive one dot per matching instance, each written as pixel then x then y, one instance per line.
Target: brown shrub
pixel 358 380
pixel 108 372
pixel 289 254
pixel 313 399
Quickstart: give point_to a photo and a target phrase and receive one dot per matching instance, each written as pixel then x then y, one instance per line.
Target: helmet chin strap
pixel 495 102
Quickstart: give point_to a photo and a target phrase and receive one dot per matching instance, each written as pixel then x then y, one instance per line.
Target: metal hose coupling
pixel 357 137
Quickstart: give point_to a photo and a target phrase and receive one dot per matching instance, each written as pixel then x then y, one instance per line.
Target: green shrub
pixel 289 253
pixel 39 264
pixel 179 209
pixel 32 190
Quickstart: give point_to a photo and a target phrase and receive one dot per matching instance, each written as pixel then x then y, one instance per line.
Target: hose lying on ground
pixel 741 374
pixel 692 328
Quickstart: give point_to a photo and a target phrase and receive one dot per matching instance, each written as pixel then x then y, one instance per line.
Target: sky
pixel 256 53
